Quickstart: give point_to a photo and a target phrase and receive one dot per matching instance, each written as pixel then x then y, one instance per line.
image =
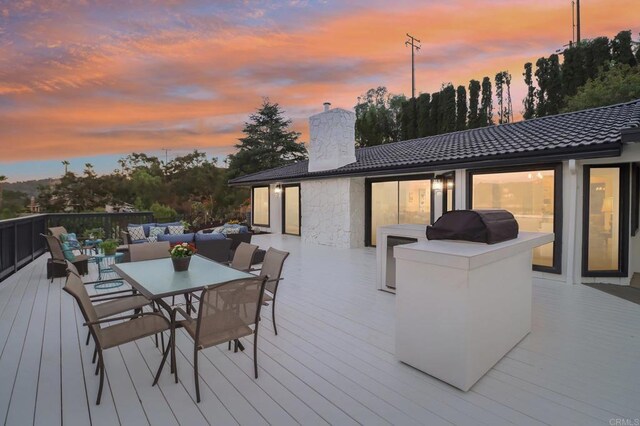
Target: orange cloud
pixel 76 82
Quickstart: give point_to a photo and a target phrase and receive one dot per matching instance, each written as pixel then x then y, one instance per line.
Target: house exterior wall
pixel 333 212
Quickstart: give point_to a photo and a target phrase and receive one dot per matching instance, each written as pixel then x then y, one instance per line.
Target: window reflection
pixel 261 205
pixel 393 202
pixel 604 219
pixel 528 195
pixel 292 210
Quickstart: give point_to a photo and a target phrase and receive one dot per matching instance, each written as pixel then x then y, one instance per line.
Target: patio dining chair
pixel 108 304
pixel 136 326
pixel 59 261
pixel 222 319
pixel 272 271
pixel 243 257
pixel 149 251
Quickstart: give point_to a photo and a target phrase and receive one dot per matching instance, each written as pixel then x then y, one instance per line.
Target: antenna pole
pixel 577 21
pixel 573 21
pixel 415 45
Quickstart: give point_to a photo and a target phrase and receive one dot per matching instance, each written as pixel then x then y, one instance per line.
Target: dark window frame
pixel 367 198
pixel 284 196
pixel 635 199
pixel 556 267
pixel 253 205
pixel 623 237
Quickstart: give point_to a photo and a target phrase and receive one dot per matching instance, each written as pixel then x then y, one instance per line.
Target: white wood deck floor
pixel 332 361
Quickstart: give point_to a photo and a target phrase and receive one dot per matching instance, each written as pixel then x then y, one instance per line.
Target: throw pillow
pixel 154 231
pixel 68 252
pixel 136 233
pixel 176 229
pixel 71 240
pixel 228 231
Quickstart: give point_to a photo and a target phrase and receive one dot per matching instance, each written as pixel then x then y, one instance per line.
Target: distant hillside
pixel 29 187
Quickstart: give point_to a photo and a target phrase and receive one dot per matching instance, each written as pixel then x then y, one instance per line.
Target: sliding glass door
pixel 533 195
pixel 605 221
pixel 398 201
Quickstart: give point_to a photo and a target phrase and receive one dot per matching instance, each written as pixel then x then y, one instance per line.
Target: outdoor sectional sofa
pixel 215 245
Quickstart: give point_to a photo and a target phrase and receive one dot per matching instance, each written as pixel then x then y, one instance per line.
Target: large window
pixel 291 210
pixel 532 195
pixel 260 205
pixel 398 201
pixel 605 221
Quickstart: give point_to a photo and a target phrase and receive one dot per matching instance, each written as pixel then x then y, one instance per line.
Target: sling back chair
pixel 243 257
pixel 59 261
pixel 130 327
pixel 272 270
pixel 222 319
pixel 112 303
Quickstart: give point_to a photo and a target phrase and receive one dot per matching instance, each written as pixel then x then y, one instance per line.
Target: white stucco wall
pixel 332 139
pixel 333 212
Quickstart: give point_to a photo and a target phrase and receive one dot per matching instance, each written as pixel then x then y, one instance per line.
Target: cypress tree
pixel 448 107
pixel 499 80
pixel 412 119
pixel 486 103
pixel 474 104
pixel 597 56
pixel 434 113
pixel 573 69
pixel 621 50
pixel 554 86
pixel 542 71
pixel 461 108
pixel 529 102
pixel 424 106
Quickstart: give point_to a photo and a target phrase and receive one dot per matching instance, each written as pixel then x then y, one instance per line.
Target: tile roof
pixel 575 134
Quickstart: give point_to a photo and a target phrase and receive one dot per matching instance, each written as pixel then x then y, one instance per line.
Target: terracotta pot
pixel 181 263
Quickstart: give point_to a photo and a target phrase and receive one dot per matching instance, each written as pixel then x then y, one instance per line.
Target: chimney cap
pixel 327 106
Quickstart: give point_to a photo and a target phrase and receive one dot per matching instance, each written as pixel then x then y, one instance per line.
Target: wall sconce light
pixel 437 184
pixel 449 184
pixel 278 189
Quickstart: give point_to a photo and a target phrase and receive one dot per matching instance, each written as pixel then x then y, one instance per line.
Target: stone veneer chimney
pixel 332 134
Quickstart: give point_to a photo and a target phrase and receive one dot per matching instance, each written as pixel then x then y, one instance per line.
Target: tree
pixel 597 56
pixel 621 50
pixel 485 115
pixel 448 108
pixel 461 108
pixel 3 179
pixel 412 119
pixel 554 86
pixel 435 115
pixel 620 84
pixel 378 117
pixel 424 123
pixel 499 80
pixel 267 143
pixel 65 163
pixel 529 102
pixel 503 94
pixel 574 72
pixel 474 104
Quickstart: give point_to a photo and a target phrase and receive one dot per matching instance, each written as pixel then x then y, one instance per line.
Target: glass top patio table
pixel 156 278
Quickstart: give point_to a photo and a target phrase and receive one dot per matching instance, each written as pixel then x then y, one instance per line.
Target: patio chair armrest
pixel 106 299
pixel 133 316
pixel 102 281
pixel 182 312
pixel 112 292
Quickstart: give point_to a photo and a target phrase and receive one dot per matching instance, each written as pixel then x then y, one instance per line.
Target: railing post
pixel 33 238
pixel 15 246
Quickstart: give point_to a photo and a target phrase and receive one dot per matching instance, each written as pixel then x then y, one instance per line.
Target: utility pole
pixel 578 21
pixel 573 21
pixel 415 45
pixel 166 155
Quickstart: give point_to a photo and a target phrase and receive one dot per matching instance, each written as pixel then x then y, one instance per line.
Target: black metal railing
pixel 21 243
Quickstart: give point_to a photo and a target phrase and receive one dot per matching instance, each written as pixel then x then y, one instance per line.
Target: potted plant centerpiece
pixel 181 256
pixel 109 247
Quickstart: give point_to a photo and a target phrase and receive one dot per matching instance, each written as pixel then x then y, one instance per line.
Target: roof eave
pixel 630 135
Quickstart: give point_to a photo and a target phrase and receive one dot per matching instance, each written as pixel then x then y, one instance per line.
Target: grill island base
pixel 461 306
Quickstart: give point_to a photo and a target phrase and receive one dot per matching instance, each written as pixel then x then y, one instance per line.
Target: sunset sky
pixel 90 81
